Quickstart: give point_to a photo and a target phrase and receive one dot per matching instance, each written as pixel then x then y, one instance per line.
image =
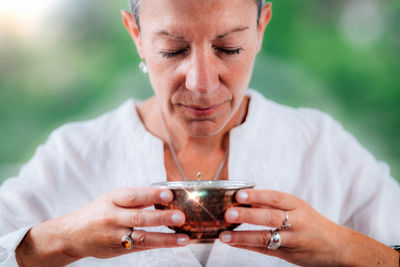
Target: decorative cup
pixel 204 204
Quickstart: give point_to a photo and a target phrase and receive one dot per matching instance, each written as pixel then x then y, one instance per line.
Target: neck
pixel 201 146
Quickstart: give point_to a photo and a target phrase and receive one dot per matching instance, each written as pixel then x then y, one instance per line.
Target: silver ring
pixel 126 241
pixel 275 240
pixel 286 224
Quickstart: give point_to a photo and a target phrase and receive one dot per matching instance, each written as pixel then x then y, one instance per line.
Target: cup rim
pixel 205 184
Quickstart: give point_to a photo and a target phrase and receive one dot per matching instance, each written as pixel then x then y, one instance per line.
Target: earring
pixel 143 67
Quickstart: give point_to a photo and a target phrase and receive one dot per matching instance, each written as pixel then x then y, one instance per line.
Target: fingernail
pixel 177 218
pixel 165 196
pixel 233 214
pixel 182 241
pixel 226 237
pixel 243 195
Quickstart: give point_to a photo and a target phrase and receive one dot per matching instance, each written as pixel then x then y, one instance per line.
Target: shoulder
pixel 306 131
pixel 96 132
pixel 306 123
pixel 315 137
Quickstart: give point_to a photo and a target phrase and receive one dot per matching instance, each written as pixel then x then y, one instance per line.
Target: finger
pixel 273 199
pixel 140 197
pixel 149 218
pixel 149 240
pixel 266 217
pixel 142 240
pixel 255 239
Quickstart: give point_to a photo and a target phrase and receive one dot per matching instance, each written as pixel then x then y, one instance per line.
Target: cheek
pixel 162 77
pixel 238 73
pixel 159 70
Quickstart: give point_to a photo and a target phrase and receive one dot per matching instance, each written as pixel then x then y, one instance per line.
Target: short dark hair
pixel 135 8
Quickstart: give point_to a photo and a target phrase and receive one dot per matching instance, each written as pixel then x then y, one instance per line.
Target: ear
pixel 265 18
pixel 133 30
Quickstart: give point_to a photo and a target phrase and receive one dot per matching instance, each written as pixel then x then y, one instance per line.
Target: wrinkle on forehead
pixel 185 18
pixel 169 36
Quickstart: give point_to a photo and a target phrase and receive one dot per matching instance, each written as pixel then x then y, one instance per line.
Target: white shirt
pixel 300 151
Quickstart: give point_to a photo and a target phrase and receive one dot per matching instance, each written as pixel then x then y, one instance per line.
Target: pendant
pixel 198 175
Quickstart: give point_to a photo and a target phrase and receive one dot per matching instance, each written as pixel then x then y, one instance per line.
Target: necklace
pixel 174 156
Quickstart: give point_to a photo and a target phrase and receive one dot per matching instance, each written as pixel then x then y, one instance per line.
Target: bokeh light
pixel 23 17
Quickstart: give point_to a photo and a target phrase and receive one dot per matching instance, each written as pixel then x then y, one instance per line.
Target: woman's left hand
pixel 311 239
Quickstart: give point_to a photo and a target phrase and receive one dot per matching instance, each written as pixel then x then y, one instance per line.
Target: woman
pixel 77 201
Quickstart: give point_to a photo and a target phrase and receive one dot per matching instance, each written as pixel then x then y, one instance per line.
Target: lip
pixel 201 111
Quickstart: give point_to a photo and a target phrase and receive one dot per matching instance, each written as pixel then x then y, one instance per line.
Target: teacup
pixel 204 203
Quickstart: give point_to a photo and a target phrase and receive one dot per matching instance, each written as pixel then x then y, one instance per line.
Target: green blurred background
pixel 63 61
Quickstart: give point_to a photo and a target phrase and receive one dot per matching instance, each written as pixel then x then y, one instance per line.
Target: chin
pixel 204 128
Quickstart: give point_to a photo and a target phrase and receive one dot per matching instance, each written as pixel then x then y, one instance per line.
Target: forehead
pixel 191 17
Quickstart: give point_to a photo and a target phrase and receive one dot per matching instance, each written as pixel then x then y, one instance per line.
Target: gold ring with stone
pixel 126 241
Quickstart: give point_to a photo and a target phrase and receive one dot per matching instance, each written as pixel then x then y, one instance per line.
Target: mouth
pixel 201 111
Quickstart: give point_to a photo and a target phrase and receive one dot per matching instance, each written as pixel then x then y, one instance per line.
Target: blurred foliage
pixel 83 63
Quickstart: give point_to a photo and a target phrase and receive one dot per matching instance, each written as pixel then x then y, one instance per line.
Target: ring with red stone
pixel 127 241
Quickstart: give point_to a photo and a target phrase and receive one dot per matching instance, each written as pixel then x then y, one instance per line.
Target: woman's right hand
pixel 95 230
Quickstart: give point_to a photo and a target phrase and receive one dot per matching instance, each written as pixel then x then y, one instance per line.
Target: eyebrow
pixel 165 33
pixel 221 36
pixel 238 29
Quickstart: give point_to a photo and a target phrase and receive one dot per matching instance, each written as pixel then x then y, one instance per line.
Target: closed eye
pixel 173 54
pixel 229 52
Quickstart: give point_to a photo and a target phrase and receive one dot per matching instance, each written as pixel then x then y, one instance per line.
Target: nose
pixel 202 75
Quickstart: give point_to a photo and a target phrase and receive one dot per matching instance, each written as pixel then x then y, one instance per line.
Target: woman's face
pixel 200 56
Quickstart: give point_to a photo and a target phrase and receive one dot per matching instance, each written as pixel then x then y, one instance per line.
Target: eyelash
pixel 228 52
